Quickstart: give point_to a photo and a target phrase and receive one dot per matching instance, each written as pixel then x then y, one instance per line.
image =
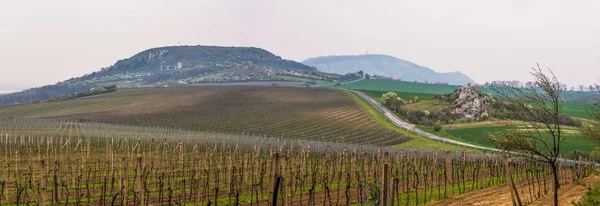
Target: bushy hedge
pixel 437 127
pixel 427 118
pixel 90 92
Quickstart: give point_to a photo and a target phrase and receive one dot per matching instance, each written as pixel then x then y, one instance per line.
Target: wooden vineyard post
pixel 140 185
pixel 513 189
pixel 385 186
pixel 245 167
pixel 575 167
pixel 283 180
pixel 42 183
pixel 275 190
pixel 580 170
pixel 448 179
pixel 198 187
pixel 229 174
pixel 275 180
pixel 124 186
pixel 56 182
pixel 482 170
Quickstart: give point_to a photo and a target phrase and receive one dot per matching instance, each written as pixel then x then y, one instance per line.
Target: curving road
pixel 398 122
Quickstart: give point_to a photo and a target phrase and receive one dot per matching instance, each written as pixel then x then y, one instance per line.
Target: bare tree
pixel 563 87
pixel 539 134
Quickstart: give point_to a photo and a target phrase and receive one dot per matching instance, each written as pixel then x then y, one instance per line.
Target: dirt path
pixel 501 195
pixel 569 192
pixel 489 196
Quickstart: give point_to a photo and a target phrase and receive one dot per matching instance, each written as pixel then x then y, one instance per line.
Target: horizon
pixel 3 89
pixel 498 41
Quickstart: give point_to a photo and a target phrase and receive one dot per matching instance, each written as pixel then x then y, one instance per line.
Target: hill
pixel 384 65
pixel 182 65
pixel 290 112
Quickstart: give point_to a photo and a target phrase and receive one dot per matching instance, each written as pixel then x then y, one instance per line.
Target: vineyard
pixel 297 113
pixel 48 162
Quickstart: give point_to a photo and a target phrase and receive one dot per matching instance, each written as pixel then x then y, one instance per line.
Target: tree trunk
pixel 555 184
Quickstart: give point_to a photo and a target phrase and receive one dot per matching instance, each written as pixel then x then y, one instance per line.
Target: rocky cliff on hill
pixel 470 102
pixel 182 65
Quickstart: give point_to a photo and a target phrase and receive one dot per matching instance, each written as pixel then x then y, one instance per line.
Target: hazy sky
pixel 43 42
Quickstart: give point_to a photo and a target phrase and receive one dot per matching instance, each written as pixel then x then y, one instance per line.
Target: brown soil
pixel 501 195
pixel 489 196
pixel 569 192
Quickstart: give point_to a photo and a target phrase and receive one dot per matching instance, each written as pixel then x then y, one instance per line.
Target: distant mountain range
pixel 385 66
pixel 181 65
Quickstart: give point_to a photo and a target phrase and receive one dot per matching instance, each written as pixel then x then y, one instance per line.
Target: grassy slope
pixel 426 102
pixel 417 142
pixel 475 135
pixel 471 133
pixel 404 95
pixel 303 80
pixel 377 87
pixel 400 86
pixel 478 133
pixel 429 105
pixel 576 110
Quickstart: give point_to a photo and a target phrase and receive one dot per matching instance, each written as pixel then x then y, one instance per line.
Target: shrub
pixel 89 92
pixel 426 113
pixel 437 127
pixel 392 101
pixel 570 121
pixel 592 197
pixel 484 116
pixel 415 117
pixel 427 122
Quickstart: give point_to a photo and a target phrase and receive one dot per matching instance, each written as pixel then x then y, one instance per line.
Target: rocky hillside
pixel 384 65
pixel 180 65
pixel 471 103
pixel 197 64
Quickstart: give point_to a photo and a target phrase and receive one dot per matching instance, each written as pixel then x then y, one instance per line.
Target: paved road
pixel 398 122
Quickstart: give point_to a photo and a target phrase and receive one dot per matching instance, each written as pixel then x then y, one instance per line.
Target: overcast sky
pixel 43 42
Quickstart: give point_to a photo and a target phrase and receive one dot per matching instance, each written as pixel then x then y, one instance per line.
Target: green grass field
pixel 576 110
pixel 303 80
pixel 402 86
pixel 399 86
pixel 429 105
pixel 479 135
pixel 403 95
pixel 377 87
pixel 426 102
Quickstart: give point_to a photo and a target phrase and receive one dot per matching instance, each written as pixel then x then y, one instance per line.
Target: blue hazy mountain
pixel 384 65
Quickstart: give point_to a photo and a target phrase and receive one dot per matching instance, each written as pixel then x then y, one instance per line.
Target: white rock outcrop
pixel 470 102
